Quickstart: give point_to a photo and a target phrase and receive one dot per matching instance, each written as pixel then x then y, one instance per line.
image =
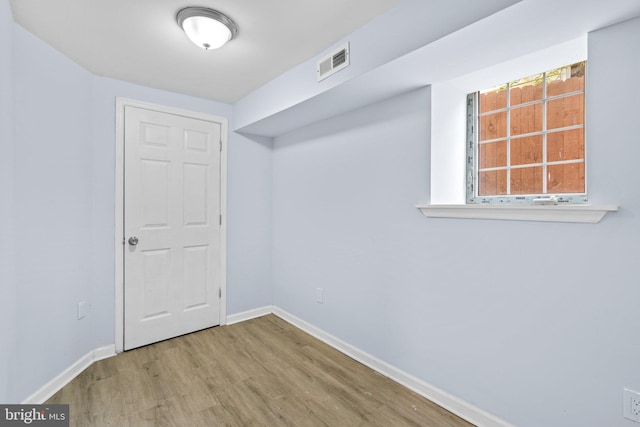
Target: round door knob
pixel 133 241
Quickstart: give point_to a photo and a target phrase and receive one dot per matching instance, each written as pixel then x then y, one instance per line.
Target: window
pixel 526 139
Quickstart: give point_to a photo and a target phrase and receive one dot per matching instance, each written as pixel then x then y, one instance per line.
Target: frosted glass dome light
pixel 206 28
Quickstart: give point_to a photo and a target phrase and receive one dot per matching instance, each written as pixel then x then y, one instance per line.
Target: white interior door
pixel 172 253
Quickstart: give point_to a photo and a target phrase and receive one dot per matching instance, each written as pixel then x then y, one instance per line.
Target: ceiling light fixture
pixel 206 27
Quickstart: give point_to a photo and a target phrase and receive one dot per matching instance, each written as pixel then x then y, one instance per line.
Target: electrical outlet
pixel 319 295
pixel 631 405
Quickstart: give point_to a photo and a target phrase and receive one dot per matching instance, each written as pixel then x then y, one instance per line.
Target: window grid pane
pixel 565 145
pixel 493 126
pixel 492 182
pixel 566 178
pixel 527 119
pixel 493 154
pixel 526 150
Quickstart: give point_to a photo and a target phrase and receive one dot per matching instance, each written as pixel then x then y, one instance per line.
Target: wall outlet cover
pixel 631 405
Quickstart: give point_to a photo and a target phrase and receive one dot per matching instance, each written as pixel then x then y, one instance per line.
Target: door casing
pixel 119 207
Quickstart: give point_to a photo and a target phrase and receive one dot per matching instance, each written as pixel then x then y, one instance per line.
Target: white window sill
pixel 553 213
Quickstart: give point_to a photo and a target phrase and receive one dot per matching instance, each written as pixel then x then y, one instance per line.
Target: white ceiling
pixel 139 41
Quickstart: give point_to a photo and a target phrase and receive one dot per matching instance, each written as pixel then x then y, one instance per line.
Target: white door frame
pixel 119 205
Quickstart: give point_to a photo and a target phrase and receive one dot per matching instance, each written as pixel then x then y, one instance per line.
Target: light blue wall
pixel 7 278
pixel 534 322
pixel 52 212
pixel 249 281
pixel 64 119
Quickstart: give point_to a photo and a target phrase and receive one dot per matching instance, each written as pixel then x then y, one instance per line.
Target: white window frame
pixel 473 144
pixel 448 132
pixel 449 114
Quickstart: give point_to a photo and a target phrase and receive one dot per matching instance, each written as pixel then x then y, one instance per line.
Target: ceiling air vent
pixel 333 62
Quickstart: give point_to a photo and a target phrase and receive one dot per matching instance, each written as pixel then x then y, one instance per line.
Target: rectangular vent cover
pixel 333 62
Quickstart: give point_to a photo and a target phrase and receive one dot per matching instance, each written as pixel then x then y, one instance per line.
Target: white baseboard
pixel 69 374
pixel 449 402
pixel 250 314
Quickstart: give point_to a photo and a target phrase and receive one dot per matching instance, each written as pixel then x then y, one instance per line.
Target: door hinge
pixel 220 142
pixel 220 217
pixel 219 292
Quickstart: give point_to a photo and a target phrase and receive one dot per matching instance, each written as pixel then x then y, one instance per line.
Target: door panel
pixel 154 181
pixel 195 195
pixel 155 283
pixel 195 276
pixel 172 204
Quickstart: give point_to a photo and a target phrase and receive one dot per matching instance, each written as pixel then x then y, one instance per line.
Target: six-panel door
pixel 172 208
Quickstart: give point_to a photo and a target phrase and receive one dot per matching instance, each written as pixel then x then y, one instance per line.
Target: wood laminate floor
pixel 262 372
